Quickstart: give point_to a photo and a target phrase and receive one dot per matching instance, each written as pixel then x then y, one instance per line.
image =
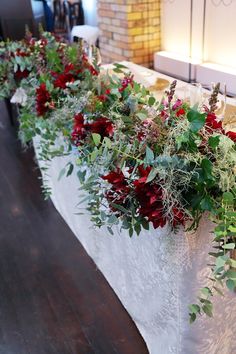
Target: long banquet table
pixel 155 275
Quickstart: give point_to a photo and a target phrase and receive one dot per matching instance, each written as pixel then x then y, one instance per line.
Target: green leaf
pixel 96 138
pixel 94 155
pixel 120 66
pixel 194 308
pixel 232 262
pixel 213 141
pixel 107 142
pixel 232 229
pixel 70 169
pixel 206 203
pixel 192 317
pixel 137 228
pixel 142 114
pixel 145 224
pixel 152 175
pixel 110 230
pixel 149 155
pixel 151 101
pixel 119 207
pixel 196 119
pixel 230 284
pixel 112 219
pixel 136 87
pixel 229 246
pixel 207 308
pixel 81 175
pixel 220 262
pixel 181 139
pixel 228 197
pixel 206 291
pixel 61 174
pixel 207 169
pixel 131 232
pixel 231 274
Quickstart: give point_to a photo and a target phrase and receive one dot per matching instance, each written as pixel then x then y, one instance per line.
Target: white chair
pixel 88 33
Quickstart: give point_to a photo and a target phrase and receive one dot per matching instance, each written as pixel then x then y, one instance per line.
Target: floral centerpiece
pixel 142 162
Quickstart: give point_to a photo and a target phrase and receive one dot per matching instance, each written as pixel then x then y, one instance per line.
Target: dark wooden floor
pixel 53 300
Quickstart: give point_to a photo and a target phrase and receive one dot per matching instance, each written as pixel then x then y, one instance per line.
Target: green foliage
pixel 184 167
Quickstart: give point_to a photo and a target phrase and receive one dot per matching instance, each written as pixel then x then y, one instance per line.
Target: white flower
pixel 125 171
pixel 19 97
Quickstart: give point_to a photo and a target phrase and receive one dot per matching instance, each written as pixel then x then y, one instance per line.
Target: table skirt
pixel 155 275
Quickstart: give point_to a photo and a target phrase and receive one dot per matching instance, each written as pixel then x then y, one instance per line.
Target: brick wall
pixel 129 30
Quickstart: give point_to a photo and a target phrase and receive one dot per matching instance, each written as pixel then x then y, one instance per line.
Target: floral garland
pixel 141 162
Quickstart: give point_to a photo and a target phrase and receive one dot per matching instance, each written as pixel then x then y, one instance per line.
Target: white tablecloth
pixel 155 275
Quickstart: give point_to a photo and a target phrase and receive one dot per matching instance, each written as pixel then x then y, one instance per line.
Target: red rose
pixel 43 99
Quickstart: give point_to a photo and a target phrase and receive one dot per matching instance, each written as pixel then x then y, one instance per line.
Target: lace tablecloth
pixel 155 275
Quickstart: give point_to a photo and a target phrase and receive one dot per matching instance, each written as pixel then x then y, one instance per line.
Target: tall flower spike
pixel 214 98
pixel 170 93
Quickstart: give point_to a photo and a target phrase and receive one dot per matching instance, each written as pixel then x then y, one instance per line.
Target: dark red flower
pixel 102 126
pixel 102 98
pixel 62 79
pixel 20 53
pixel 212 123
pixel 69 67
pixel 79 130
pixel 119 191
pixel 180 112
pixel 21 74
pixel 43 99
pixel 164 115
pixel 150 198
pixel 68 76
pixel 232 136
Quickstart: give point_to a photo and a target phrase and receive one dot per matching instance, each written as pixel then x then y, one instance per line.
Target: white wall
pixel 220 30
pixel 90 12
pixel 220 34
pixel 175 26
